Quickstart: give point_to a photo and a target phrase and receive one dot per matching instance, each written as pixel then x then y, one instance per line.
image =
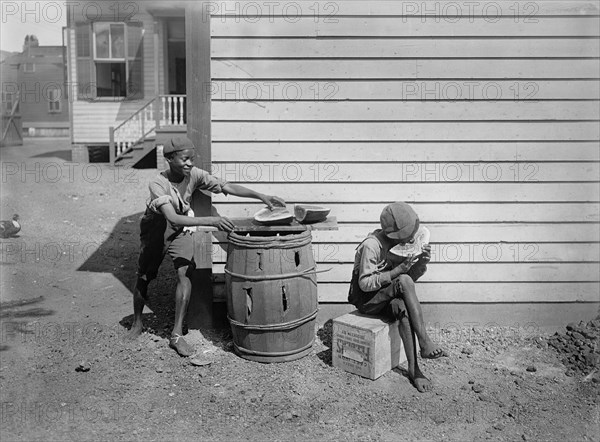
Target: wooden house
pixel 35 79
pixel 11 128
pixel 484 117
pixel 38 80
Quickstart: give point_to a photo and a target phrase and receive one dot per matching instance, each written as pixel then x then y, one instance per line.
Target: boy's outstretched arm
pixel 220 222
pixel 241 191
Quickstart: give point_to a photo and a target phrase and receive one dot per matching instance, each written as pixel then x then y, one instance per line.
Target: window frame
pixel 56 102
pixel 8 101
pixel 87 63
pixel 110 60
pixel 29 71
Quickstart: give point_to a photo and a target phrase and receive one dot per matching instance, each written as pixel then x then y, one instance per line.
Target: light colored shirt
pixel 162 191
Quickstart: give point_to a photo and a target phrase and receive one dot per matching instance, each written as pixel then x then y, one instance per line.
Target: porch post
pixel 197 51
pixel 156 103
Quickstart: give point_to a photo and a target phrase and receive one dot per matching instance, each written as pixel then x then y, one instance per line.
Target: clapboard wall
pixel 486 121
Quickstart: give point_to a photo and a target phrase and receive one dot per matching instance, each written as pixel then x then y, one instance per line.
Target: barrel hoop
pixel 268 327
pixel 309 271
pixel 272 242
pixel 274 353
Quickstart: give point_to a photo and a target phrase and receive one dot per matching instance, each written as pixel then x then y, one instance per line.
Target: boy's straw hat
pixel 176 144
pixel 399 221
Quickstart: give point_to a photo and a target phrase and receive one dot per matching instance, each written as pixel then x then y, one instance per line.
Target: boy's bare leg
pixel 407 335
pixel 182 299
pixel 429 349
pixel 139 300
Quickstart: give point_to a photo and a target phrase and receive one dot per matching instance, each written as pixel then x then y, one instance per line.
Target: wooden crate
pixel 366 345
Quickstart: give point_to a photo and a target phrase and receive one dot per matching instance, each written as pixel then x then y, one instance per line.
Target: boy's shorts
pixel 386 302
pixel 158 238
pixel 181 249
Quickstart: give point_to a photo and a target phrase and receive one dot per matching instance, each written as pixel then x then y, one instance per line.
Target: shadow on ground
pixel 62 154
pixel 325 333
pixel 118 255
pixel 15 317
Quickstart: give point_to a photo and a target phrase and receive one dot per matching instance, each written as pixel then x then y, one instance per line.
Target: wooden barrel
pixel 271 296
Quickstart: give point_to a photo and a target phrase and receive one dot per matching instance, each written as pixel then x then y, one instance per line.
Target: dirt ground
pixel 65 373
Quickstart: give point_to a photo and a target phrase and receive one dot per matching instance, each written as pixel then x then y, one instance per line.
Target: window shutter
pixel 86 89
pixel 135 48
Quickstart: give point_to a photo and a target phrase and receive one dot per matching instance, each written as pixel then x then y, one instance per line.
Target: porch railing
pixel 164 110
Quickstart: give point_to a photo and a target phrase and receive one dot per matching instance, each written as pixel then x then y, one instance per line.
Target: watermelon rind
pixel 306 213
pixel 276 216
pixel 415 248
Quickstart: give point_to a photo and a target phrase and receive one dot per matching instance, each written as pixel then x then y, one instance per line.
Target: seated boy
pixel 383 284
pixel 162 230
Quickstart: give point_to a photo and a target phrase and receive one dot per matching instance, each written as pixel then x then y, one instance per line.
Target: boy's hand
pixel 273 201
pixel 404 266
pixel 222 223
pixel 425 257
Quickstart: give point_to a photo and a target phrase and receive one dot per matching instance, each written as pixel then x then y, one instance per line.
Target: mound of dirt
pixel 577 347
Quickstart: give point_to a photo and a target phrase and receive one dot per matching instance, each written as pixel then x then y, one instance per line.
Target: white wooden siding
pixel 487 125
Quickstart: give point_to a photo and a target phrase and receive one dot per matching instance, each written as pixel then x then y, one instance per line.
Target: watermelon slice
pixel 416 247
pixel 277 216
pixel 305 213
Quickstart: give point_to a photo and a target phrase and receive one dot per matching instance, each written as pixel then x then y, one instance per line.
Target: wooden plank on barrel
pixel 246 225
pixel 329 224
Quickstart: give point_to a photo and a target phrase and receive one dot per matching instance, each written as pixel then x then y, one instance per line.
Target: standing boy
pixel 384 285
pixel 162 230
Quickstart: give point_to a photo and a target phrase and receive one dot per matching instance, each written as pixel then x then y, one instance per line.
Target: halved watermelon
pixel 416 247
pixel 277 216
pixel 305 213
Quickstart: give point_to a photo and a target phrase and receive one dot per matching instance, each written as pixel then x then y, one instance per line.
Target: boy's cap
pixel 399 221
pixel 176 144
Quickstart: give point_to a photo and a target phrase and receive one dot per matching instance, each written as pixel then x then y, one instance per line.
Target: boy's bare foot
pixel 421 383
pixel 134 332
pixel 177 343
pixel 431 351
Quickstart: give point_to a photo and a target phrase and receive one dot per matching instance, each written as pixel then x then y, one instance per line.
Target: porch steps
pixel 137 153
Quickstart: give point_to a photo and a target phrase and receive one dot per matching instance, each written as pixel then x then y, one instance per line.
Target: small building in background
pixel 35 80
pixel 11 132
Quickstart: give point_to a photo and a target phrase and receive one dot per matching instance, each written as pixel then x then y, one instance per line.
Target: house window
pixel 110 59
pixel 8 101
pixel 53 101
pixel 28 67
